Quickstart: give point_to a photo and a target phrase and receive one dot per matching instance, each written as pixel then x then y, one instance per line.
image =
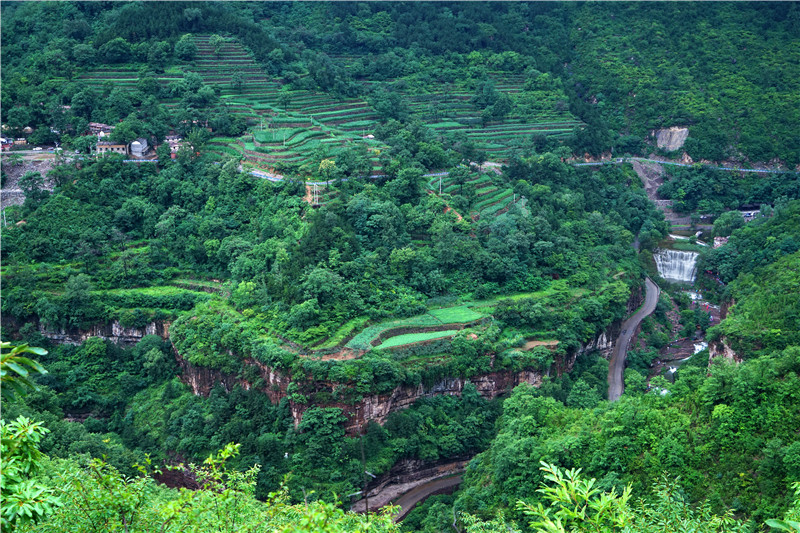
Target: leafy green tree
pixel 158 54
pixel 16 369
pixel 25 500
pixel 237 81
pixel 32 184
pixel 78 299
pixel 216 42
pixel 727 223
pixel 117 50
pixel 186 48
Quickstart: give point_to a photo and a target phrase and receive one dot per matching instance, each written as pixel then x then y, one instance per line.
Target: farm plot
pixel 455 315
pixel 436 318
pixel 411 338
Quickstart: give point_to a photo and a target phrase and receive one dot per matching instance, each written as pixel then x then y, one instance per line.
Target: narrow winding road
pixel 616 366
pixel 409 499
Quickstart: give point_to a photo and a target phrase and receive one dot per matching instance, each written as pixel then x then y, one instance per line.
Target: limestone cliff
pixel 375 407
pixel 112 331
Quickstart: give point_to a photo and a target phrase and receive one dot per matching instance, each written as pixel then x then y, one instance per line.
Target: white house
pixel 139 147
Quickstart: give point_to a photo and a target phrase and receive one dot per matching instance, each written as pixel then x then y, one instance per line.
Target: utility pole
pixel 440 185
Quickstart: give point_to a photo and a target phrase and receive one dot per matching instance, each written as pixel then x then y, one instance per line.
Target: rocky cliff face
pixel 721 348
pixel 378 407
pixel 670 138
pixel 202 380
pixel 113 332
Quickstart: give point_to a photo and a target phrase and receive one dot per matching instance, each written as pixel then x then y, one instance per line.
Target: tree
pixel 84 103
pixel 460 176
pixel 116 50
pixel 216 42
pixel 185 48
pixel 326 168
pixel 157 54
pixel 85 143
pixel 78 299
pixel 16 369
pixel 32 184
pixel 84 54
pixel 23 499
pixel 237 81
pixel 126 132
pixel 407 186
pixel 727 223
pixel 196 139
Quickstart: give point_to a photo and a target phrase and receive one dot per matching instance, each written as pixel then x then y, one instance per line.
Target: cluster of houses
pixel 139 148
pixel 7 143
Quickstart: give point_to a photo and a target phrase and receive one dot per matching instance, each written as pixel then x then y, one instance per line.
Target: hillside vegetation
pixel 373 225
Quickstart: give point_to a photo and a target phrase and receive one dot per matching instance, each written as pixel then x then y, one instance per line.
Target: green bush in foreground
pixel 97 497
pixel 576 504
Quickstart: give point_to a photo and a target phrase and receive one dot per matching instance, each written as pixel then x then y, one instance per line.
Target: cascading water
pixel 676 265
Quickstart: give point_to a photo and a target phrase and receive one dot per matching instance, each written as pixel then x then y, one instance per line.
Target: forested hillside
pixel 363 248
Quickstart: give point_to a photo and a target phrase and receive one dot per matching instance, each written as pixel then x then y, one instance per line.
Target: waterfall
pixel 675 265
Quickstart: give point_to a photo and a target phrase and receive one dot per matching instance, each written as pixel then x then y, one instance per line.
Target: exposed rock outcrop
pixel 378 407
pixel 721 348
pixel 202 380
pixel 671 139
pixel 113 332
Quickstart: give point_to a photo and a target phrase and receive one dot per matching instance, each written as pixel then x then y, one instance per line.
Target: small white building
pixel 139 147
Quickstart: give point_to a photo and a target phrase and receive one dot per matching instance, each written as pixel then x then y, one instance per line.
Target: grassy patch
pixel 456 315
pixel 362 340
pixel 410 338
pixel 343 332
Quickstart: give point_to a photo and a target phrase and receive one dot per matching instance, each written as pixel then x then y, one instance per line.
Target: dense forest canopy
pixel 345 206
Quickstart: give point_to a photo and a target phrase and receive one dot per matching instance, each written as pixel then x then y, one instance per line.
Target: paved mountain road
pixel 616 367
pixel 409 499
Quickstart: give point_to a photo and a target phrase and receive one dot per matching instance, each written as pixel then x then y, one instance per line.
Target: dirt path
pixel 616 366
pixel 533 344
pixel 307 198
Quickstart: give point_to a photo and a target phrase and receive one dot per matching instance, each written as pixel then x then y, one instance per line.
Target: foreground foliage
pixel 576 504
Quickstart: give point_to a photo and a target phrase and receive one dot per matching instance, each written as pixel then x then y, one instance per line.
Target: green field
pixel 455 315
pixel 410 338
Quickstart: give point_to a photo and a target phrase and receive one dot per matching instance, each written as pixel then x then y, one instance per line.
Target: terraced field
pixel 412 338
pixel 490 198
pixel 451 111
pixel 433 319
pixel 293 129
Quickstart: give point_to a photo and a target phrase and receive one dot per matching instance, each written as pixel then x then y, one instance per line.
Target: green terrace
pixel 491 195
